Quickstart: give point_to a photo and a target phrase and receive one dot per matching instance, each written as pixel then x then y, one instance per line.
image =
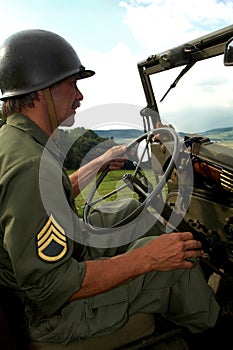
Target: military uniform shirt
pixel 35 247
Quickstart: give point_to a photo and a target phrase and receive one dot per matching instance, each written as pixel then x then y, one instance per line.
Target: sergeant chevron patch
pixel 51 241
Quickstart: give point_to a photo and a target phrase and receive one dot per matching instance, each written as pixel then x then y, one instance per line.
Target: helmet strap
pixel 51 112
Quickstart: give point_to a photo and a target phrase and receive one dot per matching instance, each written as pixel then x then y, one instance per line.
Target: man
pixel 68 293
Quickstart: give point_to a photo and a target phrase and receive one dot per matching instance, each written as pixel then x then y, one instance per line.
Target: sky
pixel 111 37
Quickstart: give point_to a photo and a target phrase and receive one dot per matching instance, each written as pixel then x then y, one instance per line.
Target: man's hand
pixel 160 125
pixel 172 251
pixel 114 157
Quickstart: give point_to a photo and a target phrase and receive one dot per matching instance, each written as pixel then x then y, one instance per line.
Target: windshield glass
pixel 202 99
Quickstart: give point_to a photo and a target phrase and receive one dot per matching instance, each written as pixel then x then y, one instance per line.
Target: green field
pixel 112 181
pixel 227 143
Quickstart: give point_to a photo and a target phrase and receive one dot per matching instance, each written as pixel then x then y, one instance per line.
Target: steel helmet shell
pixel 34 59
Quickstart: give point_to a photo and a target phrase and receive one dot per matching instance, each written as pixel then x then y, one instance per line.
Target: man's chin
pixel 68 121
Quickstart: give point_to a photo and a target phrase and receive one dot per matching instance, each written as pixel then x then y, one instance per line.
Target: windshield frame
pixel 202 48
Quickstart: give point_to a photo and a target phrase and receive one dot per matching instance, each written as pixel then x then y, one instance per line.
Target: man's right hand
pixel 172 251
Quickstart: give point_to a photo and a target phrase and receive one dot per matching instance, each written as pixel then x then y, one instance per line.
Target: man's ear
pixel 40 95
pixel 41 98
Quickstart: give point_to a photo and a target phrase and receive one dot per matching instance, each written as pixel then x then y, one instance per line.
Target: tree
pixel 85 146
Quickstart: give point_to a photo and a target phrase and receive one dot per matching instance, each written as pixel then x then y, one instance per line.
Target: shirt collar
pixel 22 122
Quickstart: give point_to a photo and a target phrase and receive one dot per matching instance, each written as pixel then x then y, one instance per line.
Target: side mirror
pixel 228 55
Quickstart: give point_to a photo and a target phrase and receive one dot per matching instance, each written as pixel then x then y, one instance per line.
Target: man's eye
pixel 75 84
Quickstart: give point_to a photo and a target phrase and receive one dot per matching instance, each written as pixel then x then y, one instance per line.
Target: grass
pixel 112 181
pixel 227 144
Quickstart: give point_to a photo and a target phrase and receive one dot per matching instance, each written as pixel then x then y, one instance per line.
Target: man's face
pixel 66 98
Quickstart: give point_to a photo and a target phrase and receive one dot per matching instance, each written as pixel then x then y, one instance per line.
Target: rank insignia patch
pixel 51 241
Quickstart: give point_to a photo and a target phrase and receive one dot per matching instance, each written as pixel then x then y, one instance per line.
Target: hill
pixel 219 134
pixel 119 133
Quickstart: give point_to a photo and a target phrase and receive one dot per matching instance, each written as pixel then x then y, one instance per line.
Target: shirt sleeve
pixel 38 235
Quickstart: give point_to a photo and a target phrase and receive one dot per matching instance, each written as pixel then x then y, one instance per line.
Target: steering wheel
pixel 137 181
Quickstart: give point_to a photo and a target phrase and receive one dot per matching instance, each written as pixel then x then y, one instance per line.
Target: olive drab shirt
pixel 36 248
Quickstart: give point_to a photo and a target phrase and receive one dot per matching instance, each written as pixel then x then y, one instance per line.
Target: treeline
pixel 120 133
pixel 80 145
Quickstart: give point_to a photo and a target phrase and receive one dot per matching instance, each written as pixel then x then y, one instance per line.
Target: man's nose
pixel 79 95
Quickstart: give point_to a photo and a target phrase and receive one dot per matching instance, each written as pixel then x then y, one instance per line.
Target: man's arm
pixel 112 157
pixel 166 252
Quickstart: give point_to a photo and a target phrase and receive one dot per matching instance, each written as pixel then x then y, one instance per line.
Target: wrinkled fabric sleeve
pixel 23 216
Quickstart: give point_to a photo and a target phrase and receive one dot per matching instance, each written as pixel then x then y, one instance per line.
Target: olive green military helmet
pixel 31 60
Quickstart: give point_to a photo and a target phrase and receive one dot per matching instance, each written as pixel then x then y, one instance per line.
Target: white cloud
pixel 116 81
pixel 161 24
